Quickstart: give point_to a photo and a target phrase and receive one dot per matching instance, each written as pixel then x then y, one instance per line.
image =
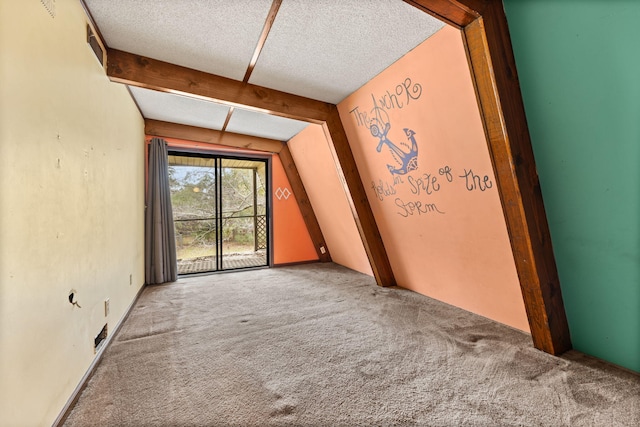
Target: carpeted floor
pixel 321 345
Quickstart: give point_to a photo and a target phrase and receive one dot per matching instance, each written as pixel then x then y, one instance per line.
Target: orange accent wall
pixel 291 240
pixel 441 223
pixel 310 151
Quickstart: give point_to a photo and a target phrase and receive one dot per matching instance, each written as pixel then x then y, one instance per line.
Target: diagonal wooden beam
pixel 228 119
pixel 271 17
pixel 358 200
pixel 453 13
pixel 210 136
pixel 517 179
pixel 315 232
pixel 136 70
pixel 495 77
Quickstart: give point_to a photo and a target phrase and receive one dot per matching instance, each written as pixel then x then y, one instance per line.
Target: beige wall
pixel 71 206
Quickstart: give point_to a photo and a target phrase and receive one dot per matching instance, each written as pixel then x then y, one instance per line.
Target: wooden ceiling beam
pixel 271 17
pixel 140 71
pixel 358 200
pixel 455 13
pixel 210 136
pixel 493 68
pixel 308 215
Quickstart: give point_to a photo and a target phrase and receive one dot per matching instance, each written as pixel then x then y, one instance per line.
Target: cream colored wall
pixel 71 206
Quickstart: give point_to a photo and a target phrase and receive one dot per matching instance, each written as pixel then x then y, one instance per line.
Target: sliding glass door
pixel 244 213
pixel 220 210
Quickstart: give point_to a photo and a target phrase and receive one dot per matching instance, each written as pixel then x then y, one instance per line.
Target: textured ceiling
pixel 179 109
pixel 320 49
pixel 196 112
pixel 327 49
pixel 264 125
pixel 216 36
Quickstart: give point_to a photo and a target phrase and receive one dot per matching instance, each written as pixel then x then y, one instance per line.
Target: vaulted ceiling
pixel 192 62
pixel 320 49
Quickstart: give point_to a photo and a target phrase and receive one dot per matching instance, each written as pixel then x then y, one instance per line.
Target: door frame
pixel 224 154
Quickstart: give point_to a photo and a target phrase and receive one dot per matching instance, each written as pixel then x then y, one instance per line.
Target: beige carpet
pixel 321 345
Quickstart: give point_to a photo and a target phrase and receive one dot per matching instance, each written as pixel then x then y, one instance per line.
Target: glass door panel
pixel 220 212
pixel 194 201
pixel 243 214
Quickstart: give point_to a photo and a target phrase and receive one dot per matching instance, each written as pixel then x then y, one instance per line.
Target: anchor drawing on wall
pixel 407 160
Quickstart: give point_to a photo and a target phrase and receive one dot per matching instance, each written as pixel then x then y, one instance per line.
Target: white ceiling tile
pixel 264 125
pixel 216 36
pixel 179 109
pixel 326 49
pixel 321 49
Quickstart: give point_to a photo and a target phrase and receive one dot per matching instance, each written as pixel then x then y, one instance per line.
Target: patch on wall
pixel 50 5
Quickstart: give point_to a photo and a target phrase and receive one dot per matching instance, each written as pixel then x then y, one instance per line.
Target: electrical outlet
pixel 323 250
pixel 106 307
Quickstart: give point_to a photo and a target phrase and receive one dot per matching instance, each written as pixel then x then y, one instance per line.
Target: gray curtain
pixel 160 244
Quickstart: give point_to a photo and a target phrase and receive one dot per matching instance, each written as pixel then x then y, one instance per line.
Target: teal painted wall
pixel 579 69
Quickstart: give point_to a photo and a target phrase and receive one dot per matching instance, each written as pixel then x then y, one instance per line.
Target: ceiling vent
pixel 96 46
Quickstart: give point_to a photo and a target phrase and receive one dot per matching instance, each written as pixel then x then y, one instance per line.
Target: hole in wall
pixel 99 340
